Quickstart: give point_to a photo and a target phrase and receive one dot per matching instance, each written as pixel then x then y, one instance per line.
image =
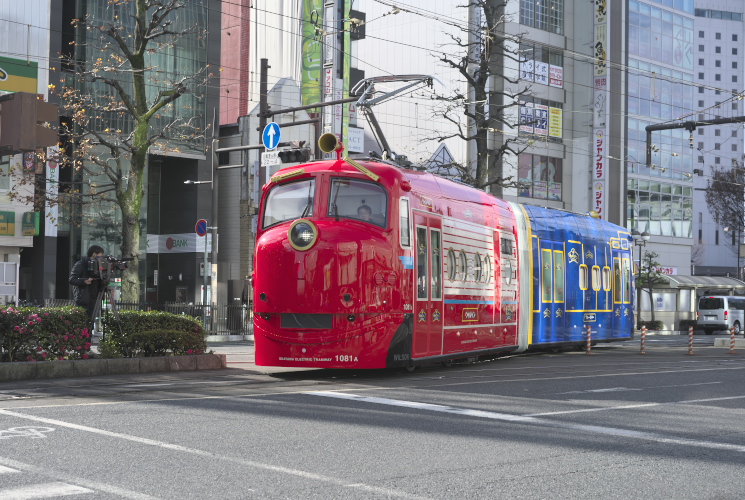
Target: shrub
pixel 651 325
pixel 686 323
pixel 44 333
pixel 151 333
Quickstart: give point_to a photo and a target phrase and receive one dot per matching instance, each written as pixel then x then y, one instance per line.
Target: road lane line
pixel 48 490
pixel 60 476
pixel 213 456
pixel 641 405
pixel 7 470
pixel 531 420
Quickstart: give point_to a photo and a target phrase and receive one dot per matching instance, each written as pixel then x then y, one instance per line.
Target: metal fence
pixel 218 319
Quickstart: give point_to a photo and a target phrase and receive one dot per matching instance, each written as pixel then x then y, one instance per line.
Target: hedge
pixel 151 333
pixel 651 325
pixel 685 323
pixel 43 333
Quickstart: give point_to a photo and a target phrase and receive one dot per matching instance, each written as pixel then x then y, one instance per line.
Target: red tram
pixel 363 264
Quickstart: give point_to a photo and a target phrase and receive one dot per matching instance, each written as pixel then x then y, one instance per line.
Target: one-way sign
pixel 270 158
pixel 270 136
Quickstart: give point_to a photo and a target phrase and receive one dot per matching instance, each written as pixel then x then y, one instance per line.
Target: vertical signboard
pixel 311 53
pixel 51 209
pixel 600 111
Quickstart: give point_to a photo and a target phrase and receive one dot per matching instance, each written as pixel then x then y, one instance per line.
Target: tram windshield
pixel 356 199
pixel 289 202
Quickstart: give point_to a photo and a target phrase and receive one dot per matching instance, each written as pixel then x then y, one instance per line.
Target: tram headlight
pixel 302 234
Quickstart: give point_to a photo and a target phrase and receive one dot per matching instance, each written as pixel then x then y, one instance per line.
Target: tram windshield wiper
pixel 336 208
pixel 309 205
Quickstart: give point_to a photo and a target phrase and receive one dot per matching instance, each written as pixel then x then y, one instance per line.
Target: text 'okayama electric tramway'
pixel 364 264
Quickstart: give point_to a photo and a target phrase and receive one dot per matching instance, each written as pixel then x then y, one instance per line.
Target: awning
pixel 705 282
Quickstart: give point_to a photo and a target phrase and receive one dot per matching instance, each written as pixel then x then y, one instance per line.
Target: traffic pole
pixel 644 340
pixel 732 341
pixel 588 351
pixel 690 341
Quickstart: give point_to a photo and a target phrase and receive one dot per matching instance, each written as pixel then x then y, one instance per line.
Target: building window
pixel 717 146
pixel 716 237
pixel 717 91
pixel 718 36
pixel 734 133
pixel 700 159
pixel 734 78
pixel 700 48
pixel 700 62
pixel 734 52
pixel 718 64
pixel 718 50
pixel 734 38
pixel 700 90
pixel 700 76
pixel 701 131
pixel 734 64
pixel 734 147
pixel 734 106
pixel 540 177
pixel 700 34
pixel 700 236
pixel 718 78
pixel 700 104
pixel 700 144
pixel 717 160
pixel 547 15
pixel 717 132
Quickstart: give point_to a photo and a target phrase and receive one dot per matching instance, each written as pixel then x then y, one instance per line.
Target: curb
pixel 29 370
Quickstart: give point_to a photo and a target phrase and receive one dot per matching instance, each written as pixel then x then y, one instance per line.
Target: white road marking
pixel 48 490
pixel 7 470
pixel 215 456
pixel 609 389
pixel 532 420
pixel 613 389
pixel 641 405
pixel 60 476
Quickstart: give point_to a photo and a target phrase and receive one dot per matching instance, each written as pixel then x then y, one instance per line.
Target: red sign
pixel 201 227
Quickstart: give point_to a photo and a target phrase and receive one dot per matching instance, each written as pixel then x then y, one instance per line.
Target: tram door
pixel 551 293
pixel 428 311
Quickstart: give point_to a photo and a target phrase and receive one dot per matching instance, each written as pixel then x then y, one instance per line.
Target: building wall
pixel 234 74
pixel 718 253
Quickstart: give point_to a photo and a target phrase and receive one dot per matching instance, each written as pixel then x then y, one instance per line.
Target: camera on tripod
pixel 104 266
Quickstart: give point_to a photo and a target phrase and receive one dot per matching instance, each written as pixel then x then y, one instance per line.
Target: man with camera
pixel 85 286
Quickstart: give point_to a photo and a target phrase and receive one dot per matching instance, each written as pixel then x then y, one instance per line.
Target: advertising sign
pixel 555 122
pixel 541 73
pixel 556 76
pixel 526 117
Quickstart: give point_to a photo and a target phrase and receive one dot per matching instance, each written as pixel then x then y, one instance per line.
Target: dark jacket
pixel 84 295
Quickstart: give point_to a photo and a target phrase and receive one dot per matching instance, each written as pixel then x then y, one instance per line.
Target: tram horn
pixel 329 143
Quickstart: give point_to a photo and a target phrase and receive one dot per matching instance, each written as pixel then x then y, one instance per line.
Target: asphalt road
pixel 567 425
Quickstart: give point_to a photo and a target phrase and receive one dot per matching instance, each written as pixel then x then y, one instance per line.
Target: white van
pixel 721 312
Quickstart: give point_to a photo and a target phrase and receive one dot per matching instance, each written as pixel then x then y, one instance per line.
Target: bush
pixel 43 333
pixel 686 323
pixel 651 325
pixel 151 333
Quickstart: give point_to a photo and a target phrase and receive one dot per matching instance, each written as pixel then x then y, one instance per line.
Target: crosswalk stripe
pixel 6 470
pixel 47 490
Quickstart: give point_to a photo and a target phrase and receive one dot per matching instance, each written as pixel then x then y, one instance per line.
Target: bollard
pixel 588 351
pixel 732 341
pixel 644 340
pixel 690 341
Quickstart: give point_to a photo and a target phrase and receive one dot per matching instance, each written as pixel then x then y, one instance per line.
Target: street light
pixel 640 240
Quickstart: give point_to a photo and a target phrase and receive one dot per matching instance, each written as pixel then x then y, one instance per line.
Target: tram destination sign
pixel 270 158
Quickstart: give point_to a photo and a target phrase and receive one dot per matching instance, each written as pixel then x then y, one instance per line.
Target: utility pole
pixel 263 111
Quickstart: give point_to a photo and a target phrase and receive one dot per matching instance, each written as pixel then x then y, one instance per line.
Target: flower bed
pixel 43 333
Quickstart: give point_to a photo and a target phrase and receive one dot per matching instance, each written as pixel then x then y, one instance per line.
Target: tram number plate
pixel 590 317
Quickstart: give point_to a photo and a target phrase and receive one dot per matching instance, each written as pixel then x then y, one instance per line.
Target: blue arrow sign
pixel 270 136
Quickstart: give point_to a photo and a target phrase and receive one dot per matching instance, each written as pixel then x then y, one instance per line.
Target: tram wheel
pixel 447 364
pixel 411 368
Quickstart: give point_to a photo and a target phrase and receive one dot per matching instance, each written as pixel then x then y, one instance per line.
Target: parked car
pixel 721 313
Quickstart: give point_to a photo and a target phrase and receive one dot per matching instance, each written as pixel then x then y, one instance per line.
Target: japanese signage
pixel 51 209
pixel 541 73
pixel 30 224
pixel 526 117
pixel 600 109
pixel 526 69
pixel 555 122
pixel 556 76
pixel 7 223
pixel 18 75
pixel 541 119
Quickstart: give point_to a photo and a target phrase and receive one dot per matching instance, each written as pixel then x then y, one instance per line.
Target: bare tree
pixel 492 107
pixel 649 277
pixel 725 197
pixel 128 72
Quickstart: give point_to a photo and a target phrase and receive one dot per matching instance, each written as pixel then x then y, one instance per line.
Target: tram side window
pixel 405 228
pixel 546 281
pixel 606 278
pixel 583 277
pixel 506 247
pixel 626 281
pixel 617 283
pixel 422 262
pixel 436 264
pixel 558 276
pixel 357 199
pixel 596 278
pixel 289 202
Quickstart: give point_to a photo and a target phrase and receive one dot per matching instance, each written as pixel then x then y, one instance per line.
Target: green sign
pixel 7 223
pixel 311 52
pixel 30 224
